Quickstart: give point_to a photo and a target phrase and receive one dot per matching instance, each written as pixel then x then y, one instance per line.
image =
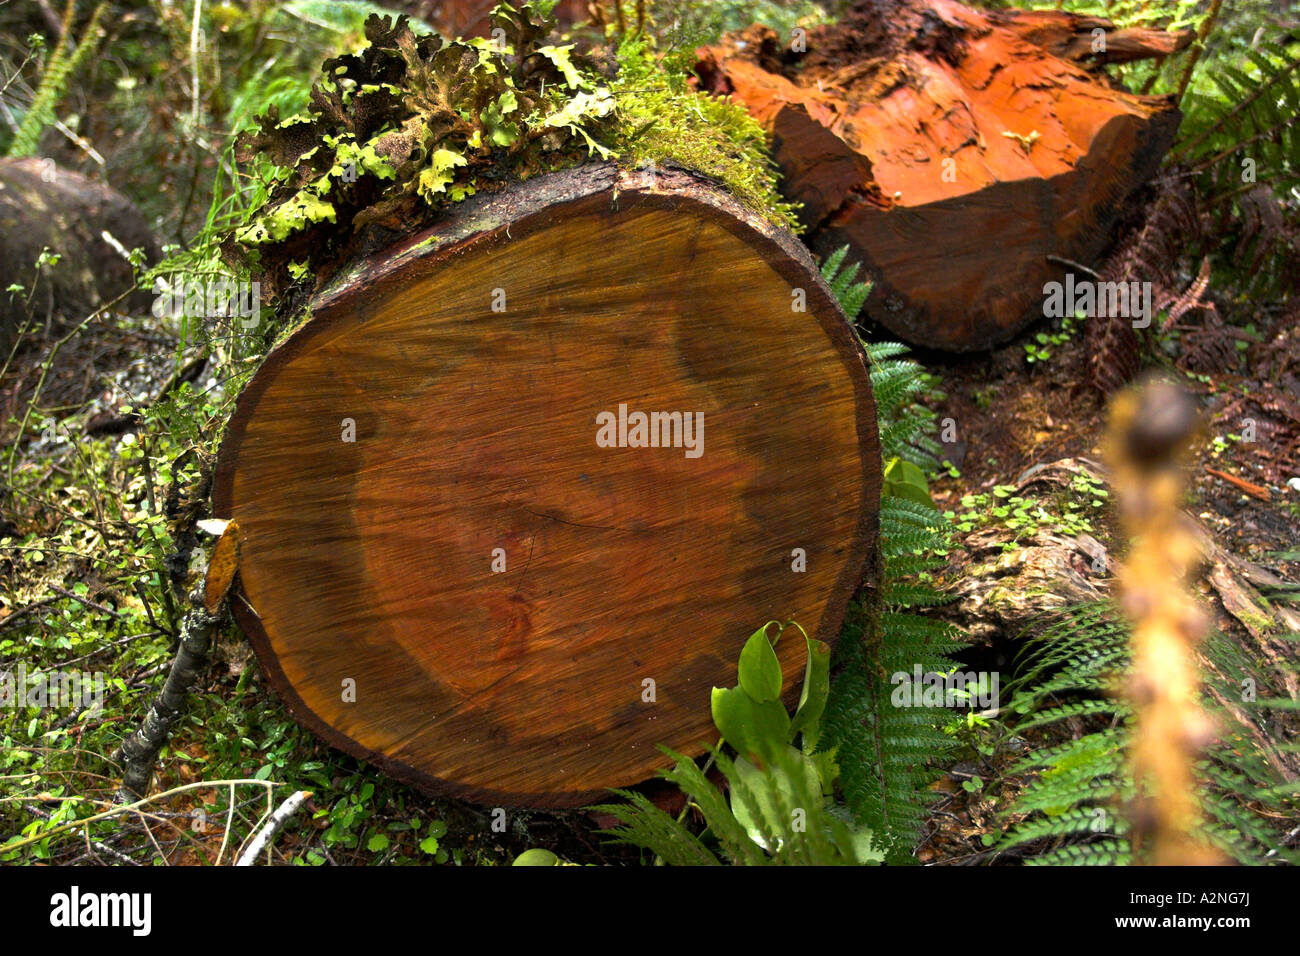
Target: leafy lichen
pixel 413 122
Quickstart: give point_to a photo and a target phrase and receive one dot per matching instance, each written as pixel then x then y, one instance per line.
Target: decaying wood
pixel 962 154
pixel 443 573
pixel 1082 39
pixel 140 749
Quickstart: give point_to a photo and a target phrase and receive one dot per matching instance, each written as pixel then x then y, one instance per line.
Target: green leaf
pixel 377 842
pixel 812 699
pixel 905 480
pixel 749 726
pixel 760 671
pixel 429 845
pixel 536 857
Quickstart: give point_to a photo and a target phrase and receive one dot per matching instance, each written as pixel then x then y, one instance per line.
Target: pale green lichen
pixel 412 122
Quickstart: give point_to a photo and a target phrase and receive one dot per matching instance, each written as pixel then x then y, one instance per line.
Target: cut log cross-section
pixel 457 562
pixel 966 156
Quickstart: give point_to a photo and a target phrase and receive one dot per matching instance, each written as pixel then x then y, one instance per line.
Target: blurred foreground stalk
pixel 1151 428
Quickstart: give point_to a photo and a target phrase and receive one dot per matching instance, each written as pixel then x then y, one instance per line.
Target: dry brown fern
pixel 1172 230
pixel 1149 252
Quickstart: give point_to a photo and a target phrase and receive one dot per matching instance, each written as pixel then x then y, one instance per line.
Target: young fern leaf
pixel 54 83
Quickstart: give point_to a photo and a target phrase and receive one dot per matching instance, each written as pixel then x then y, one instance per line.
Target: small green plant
pixel 780 807
pixel 1071 513
pixel 1040 349
pixel 972 722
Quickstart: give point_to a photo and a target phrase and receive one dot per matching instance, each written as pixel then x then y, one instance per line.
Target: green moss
pixel 660 118
pixel 1259 622
pixel 412 122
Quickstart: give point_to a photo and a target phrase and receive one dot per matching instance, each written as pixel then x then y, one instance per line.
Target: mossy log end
pixel 474 594
pixel 961 153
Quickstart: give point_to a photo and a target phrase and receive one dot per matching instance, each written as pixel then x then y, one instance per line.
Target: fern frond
pixel 1100 853
pixel 877 352
pixel 1080 822
pixel 1084 708
pixel 54 83
pixel 1067 672
pixel 645 825
pixel 885 753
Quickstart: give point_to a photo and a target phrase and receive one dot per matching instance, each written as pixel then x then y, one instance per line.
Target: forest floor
pixel 1008 414
pixel 1012 415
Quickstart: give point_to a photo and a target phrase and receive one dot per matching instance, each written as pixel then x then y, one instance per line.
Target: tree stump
pixel 962 154
pixel 447 572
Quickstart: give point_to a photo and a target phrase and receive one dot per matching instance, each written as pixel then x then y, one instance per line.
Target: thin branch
pixel 131 808
pixel 278 819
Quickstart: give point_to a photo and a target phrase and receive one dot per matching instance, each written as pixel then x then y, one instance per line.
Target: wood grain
pixel 957 151
pixel 372 560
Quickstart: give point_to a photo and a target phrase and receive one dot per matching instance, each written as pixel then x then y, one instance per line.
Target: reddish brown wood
pixel 371 560
pixel 1075 37
pixel 958 152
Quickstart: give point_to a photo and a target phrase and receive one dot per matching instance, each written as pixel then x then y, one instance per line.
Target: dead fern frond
pixel 1149 253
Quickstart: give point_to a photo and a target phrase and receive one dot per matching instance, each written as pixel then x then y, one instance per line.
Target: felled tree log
pixel 446 568
pixel 43 206
pixel 962 154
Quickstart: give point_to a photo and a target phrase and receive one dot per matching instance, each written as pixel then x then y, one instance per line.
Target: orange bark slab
pixel 958 152
pixel 445 570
